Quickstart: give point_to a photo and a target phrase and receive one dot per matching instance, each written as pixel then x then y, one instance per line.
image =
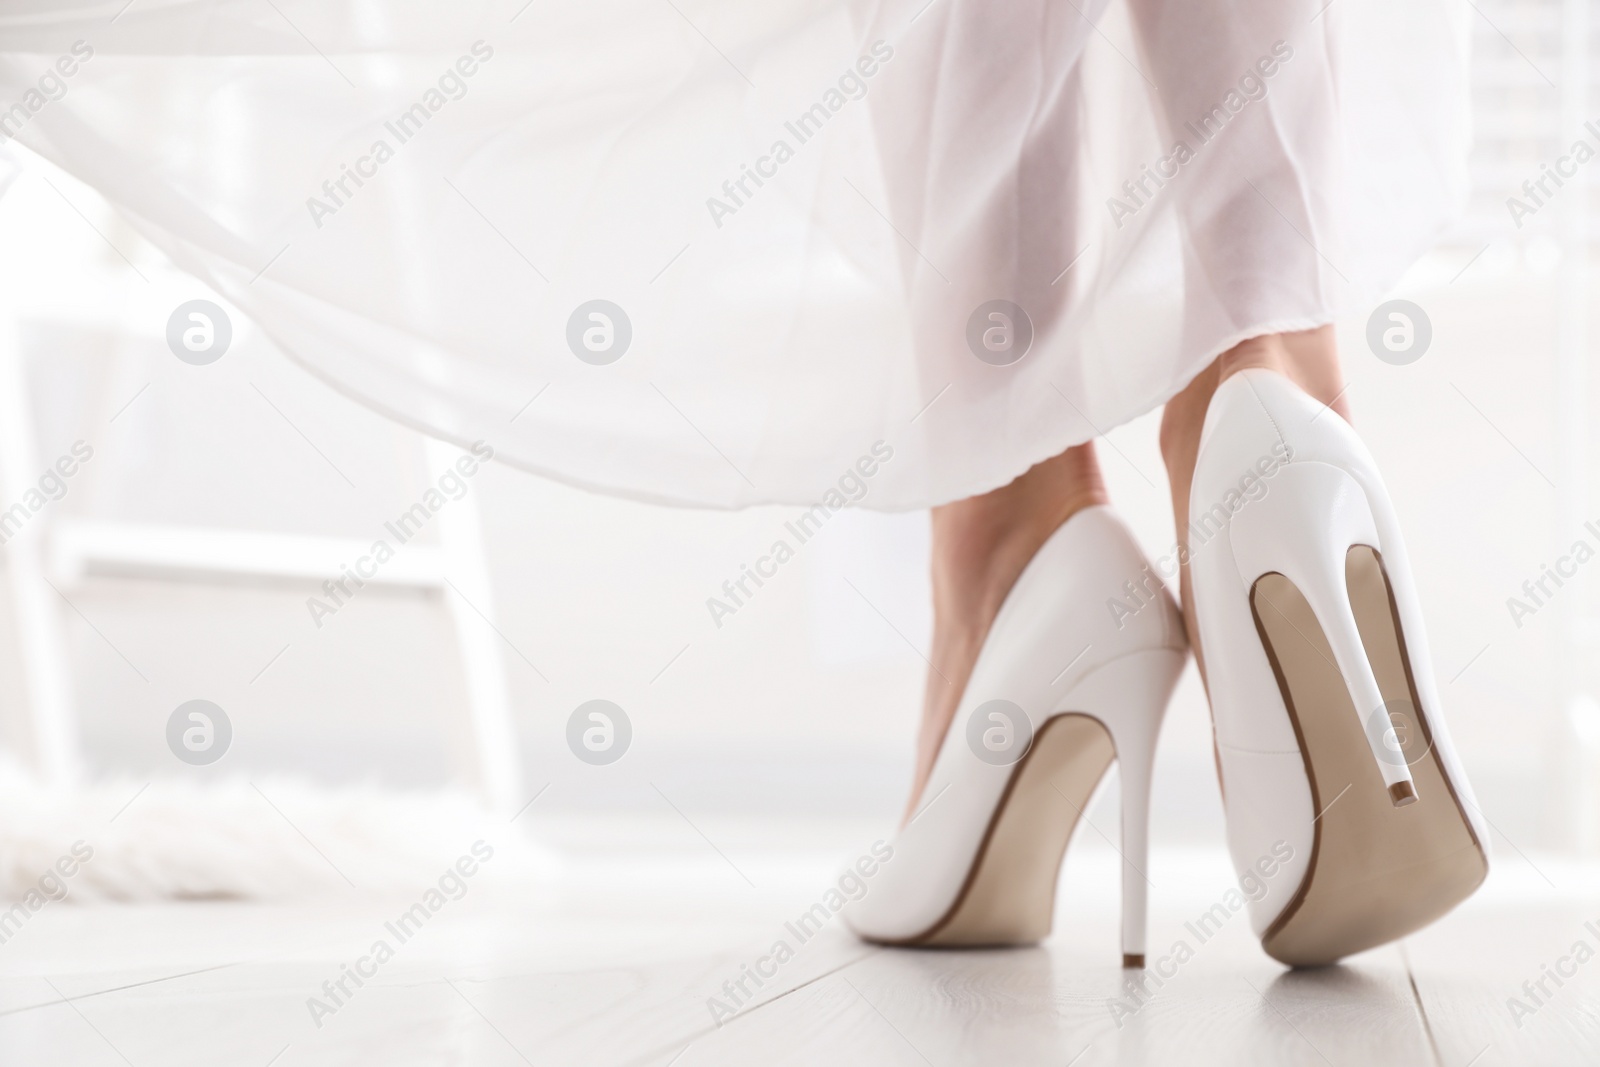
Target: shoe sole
pixel 1377 871
pixel 1009 894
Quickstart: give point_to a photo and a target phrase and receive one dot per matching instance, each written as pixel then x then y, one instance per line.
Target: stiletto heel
pixel 1338 773
pixel 1087 682
pixel 1310 519
pixel 1130 696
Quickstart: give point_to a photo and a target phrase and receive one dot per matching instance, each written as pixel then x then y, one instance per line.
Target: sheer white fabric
pixel 801 207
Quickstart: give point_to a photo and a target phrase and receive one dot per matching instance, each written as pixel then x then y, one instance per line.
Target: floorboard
pixel 1479 972
pixel 648 959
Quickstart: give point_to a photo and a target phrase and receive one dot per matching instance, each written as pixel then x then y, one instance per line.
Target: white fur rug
pixel 267 839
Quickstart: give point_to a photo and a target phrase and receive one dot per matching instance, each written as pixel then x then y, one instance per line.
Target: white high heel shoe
pixel 1329 731
pixel 1082 659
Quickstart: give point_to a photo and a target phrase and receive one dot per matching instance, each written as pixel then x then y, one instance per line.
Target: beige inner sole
pixel 1009 896
pixel 1377 871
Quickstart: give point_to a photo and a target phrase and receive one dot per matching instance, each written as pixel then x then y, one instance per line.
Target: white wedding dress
pixel 812 223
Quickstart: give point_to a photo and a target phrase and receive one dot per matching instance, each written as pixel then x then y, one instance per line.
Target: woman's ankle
pixel 1309 358
pixel 1266 353
pixel 985 541
pixel 980 547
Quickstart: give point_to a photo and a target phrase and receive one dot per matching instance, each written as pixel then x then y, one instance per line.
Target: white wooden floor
pixel 614 962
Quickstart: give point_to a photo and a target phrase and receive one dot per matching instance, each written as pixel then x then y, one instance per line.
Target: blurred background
pixel 789 725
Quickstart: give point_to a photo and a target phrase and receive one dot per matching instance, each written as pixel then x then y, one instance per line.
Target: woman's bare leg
pixel 1308 358
pixel 980 546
